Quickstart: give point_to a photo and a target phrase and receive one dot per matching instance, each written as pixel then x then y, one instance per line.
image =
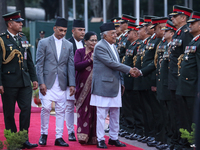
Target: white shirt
pixel 12 35
pixel 195 37
pixel 78 44
pixel 55 93
pixel 102 101
pixel 58 43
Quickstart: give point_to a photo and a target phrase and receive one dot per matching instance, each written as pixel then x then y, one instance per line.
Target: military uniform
pixel 130 110
pixel 17 72
pixel 188 77
pixel 180 40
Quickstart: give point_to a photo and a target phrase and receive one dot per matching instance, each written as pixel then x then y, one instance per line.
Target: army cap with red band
pixel 158 20
pixel 115 20
pixel 169 26
pixel 147 19
pixel 127 18
pixel 13 16
pixel 140 23
pixel 195 17
pixel 178 10
pixel 132 27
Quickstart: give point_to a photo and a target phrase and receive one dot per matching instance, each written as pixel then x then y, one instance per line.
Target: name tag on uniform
pixel 25 55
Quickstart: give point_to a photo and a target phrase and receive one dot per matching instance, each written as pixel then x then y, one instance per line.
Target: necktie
pixel 17 40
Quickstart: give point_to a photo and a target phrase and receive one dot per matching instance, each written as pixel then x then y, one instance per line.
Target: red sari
pixel 86 114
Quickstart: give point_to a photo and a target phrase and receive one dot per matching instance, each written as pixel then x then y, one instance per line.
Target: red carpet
pixel 34 134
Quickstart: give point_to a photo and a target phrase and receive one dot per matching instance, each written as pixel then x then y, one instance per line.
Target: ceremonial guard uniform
pixel 180 40
pixel 123 43
pixel 163 93
pixel 132 113
pixel 189 74
pixel 137 85
pixel 42 34
pixel 17 72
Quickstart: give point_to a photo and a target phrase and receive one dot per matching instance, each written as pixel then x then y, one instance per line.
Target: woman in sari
pixel 86 114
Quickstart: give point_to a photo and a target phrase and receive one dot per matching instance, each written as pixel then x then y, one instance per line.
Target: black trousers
pixel 128 118
pixel 183 110
pixel 23 97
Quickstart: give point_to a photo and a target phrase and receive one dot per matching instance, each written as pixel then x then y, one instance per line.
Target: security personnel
pixel 180 40
pixel 116 22
pixel 163 93
pixel 16 73
pixel 123 43
pixel 189 73
pixel 132 114
pixel 42 35
pixel 142 35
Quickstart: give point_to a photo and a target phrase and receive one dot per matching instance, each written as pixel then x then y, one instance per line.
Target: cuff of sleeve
pixel 141 73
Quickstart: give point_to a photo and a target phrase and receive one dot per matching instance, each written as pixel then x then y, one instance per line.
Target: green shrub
pixel 14 140
pixel 190 136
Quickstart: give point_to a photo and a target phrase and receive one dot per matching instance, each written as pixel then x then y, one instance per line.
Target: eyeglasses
pixel 93 41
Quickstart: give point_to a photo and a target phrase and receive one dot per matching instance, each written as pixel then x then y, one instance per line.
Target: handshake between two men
pixel 135 72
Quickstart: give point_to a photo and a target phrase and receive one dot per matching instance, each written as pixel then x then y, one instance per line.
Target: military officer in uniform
pixel 189 72
pixel 17 73
pixel 163 93
pixel 123 43
pixel 142 35
pixel 180 40
pixel 132 111
pixel 116 22
pixel 42 35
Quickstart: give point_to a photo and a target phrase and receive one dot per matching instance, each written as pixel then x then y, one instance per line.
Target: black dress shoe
pixel 123 134
pixel 107 130
pixel 162 146
pixel 116 143
pixel 153 143
pixel 61 142
pixel 72 137
pixel 129 136
pixel 121 130
pixel 101 144
pixel 141 138
pixel 135 137
pixel 43 139
pixel 28 145
pixel 148 139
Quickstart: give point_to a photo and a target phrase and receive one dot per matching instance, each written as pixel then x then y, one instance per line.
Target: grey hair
pixel 105 32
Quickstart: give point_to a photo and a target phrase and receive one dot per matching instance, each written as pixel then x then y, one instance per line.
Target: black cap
pixel 42 32
pixel 107 27
pixel 13 16
pixel 127 18
pixel 140 23
pixel 78 23
pixel 177 10
pixel 147 19
pixel 61 22
pixel 169 26
pixel 116 22
pixel 132 27
pixel 158 20
pixel 195 17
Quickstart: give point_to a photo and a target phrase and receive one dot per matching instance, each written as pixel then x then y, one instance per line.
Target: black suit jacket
pixel 74 44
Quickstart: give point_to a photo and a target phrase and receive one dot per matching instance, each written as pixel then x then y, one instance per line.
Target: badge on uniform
pixel 190 49
pixel 10 46
pixel 25 44
pixel 176 42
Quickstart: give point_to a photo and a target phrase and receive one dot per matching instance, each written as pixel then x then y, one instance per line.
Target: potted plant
pixel 14 140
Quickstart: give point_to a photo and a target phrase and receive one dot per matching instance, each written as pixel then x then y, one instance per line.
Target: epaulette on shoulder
pixel 2 34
